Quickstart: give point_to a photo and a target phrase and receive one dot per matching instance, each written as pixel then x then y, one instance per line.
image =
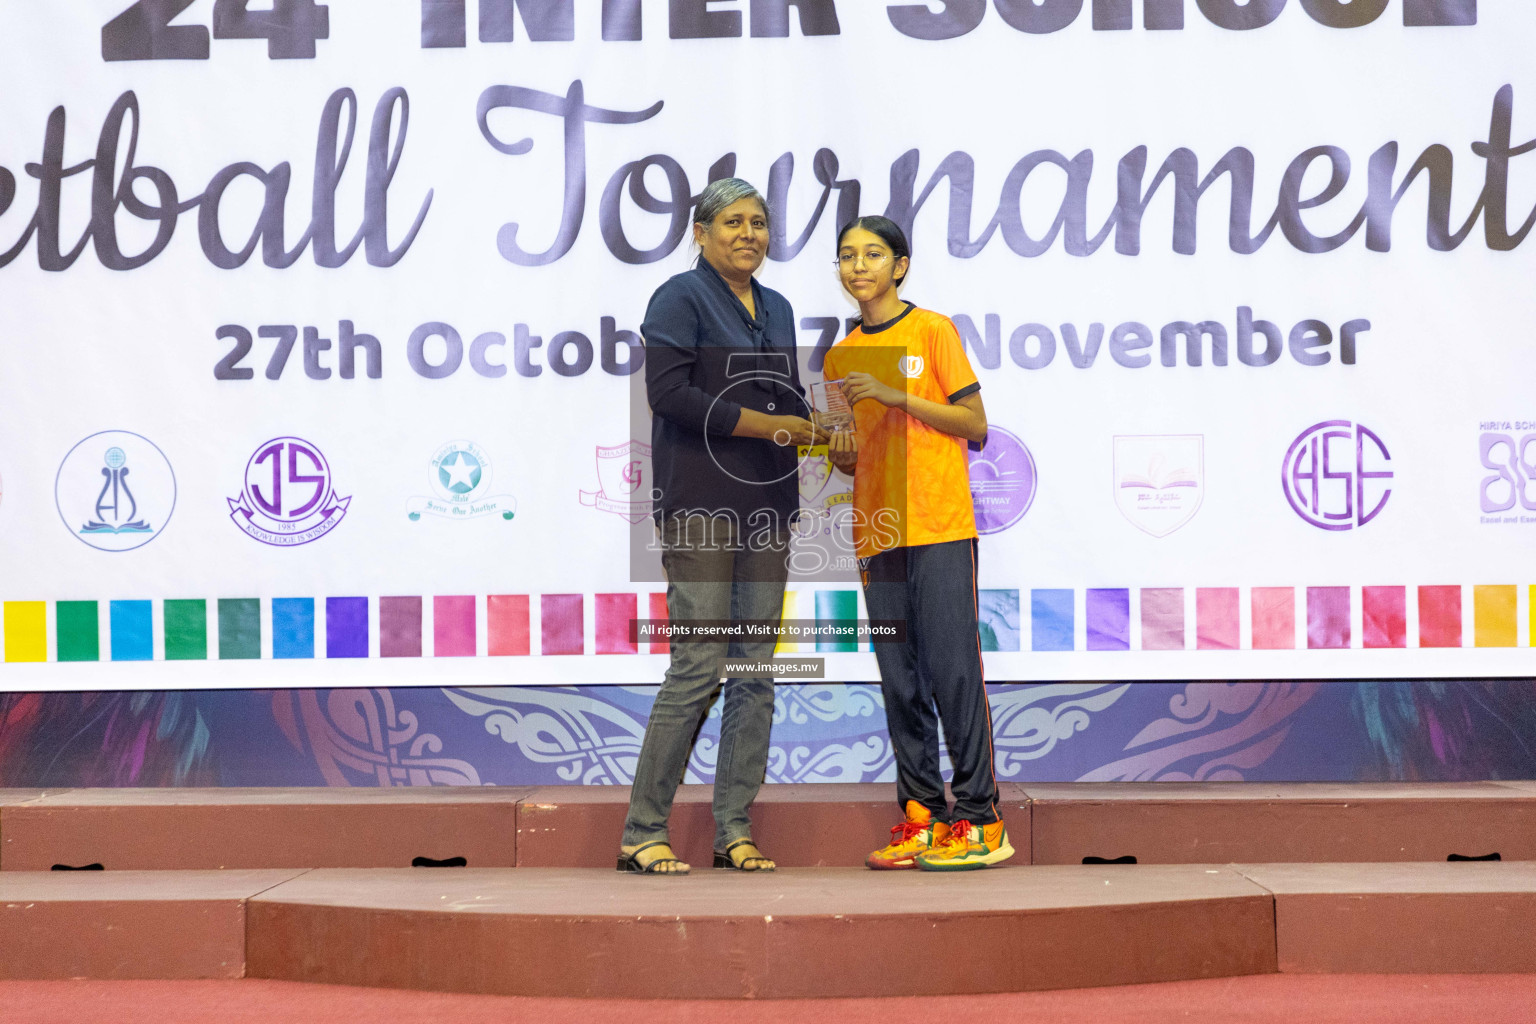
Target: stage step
pixel 1403 918
pixel 815 825
pixel 1223 823
pixel 808 932
pixel 799 825
pixel 796 933
pixel 127 924
pixel 190 829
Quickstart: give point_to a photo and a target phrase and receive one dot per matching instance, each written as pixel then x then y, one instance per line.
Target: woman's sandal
pixel 727 858
pixel 630 862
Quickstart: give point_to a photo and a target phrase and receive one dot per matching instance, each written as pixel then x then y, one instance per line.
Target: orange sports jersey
pixel 912 483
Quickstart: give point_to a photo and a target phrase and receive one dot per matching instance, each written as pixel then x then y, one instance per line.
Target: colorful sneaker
pixel 916 835
pixel 968 847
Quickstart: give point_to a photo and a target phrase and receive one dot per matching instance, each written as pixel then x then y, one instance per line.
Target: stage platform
pixel 801 825
pixel 1229 879
pixel 801 933
pixel 190 829
pixel 1197 823
pixel 127 924
pixel 823 825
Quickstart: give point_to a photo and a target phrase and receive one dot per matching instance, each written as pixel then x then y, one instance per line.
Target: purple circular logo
pixel 1335 475
pixel 288 498
pixel 1002 481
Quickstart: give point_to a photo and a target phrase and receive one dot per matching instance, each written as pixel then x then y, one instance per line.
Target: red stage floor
pixel 1266 999
pixel 1325 900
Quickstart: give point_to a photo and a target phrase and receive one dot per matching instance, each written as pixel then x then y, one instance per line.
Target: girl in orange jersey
pixel 916 403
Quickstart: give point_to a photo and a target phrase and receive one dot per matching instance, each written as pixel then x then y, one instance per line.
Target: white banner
pixel 319 323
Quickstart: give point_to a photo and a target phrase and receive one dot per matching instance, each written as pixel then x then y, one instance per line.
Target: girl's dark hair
pixel 887 230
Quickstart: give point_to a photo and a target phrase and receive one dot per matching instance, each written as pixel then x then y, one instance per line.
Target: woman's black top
pixel 705 360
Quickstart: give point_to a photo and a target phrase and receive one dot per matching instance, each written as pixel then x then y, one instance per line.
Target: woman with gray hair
pixel 728 409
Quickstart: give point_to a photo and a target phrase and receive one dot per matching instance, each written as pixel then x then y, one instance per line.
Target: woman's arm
pixel 781 430
pixel 670 331
pixel 965 418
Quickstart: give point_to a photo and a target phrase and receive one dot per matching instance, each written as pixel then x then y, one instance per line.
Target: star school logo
pixel 288 498
pixel 460 474
pixel 115 490
pixel 911 366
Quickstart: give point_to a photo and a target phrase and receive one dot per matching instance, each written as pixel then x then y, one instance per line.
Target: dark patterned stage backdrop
pixel 1254 731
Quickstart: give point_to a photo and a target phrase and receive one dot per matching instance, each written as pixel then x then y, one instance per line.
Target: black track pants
pixel 935 677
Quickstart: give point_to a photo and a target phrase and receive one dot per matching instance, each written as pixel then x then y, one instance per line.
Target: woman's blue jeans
pixel 711 575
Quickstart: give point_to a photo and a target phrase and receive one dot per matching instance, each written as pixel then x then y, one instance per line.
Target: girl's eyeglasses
pixel 873 260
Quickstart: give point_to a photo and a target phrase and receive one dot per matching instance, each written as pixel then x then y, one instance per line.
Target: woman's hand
pixel 859 386
pixel 781 430
pixel 843 450
pixel 788 430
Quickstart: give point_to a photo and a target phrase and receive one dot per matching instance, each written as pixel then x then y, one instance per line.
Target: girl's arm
pixel 966 418
pixel 843 450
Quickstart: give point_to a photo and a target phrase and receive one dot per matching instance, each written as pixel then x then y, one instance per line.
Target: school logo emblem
pixel 1508 449
pixel 822 489
pixel 624 481
pixel 115 490
pixel 460 474
pixel 1335 475
pixel 1159 480
pixel 911 366
pixel 288 498
pixel 1003 481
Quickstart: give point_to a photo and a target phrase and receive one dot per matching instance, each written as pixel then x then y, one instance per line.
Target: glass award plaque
pixel 832 409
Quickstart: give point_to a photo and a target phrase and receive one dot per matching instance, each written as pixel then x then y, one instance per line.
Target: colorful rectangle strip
pixel 659 614
pixel 1051 620
pixel 836 607
pixel 1162 619
pixel 453 627
pixel 1493 615
pixel 132 624
pixel 399 627
pixel 1218 622
pixel 506 625
pixel 293 627
pixel 791 611
pixel 78 627
pixel 1327 618
pixel 26 630
pixel 560 624
pixel 1384 616
pixel 614 613
pixel 239 628
pixel 346 627
pixel 1385 622
pixel 186 630
pixel 998 619
pixel 1108 614
pixel 1274 618
pixel 1440 616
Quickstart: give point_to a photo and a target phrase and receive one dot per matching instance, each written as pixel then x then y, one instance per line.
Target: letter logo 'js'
pixel 288 498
